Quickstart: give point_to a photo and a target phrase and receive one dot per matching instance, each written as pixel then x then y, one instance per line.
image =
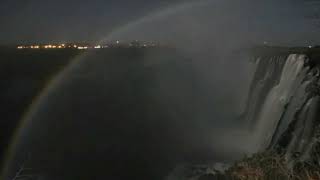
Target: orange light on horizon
pixel 82 47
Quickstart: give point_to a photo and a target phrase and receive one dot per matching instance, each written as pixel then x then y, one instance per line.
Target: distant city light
pixel 135 44
pixel 82 47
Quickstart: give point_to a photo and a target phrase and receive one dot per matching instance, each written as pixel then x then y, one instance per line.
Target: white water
pixel 285 80
pixel 287 100
pixel 279 96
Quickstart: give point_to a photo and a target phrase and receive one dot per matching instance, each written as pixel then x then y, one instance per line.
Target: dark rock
pixel 207 177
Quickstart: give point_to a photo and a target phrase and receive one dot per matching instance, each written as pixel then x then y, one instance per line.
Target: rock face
pixel 282 111
pixel 283 107
pixel 282 114
pixel 207 177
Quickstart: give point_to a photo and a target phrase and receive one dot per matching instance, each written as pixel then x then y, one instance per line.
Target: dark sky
pixel 24 21
pixel 69 19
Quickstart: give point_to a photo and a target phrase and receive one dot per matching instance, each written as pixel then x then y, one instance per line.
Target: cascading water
pixel 280 113
pixel 283 106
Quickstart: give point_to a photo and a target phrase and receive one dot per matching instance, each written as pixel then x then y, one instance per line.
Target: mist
pixel 142 113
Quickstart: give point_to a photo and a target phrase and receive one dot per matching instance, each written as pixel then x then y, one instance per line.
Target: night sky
pixel 82 20
pixel 141 112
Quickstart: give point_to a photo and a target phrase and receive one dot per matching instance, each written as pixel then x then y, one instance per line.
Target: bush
pixel 270 165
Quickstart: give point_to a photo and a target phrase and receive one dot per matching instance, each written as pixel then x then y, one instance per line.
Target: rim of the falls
pixel 292 75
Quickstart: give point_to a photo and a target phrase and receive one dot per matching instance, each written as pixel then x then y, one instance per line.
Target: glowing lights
pixel 35 47
pixel 47 46
pixel 84 46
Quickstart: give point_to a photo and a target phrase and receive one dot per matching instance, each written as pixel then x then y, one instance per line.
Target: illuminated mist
pixel 140 114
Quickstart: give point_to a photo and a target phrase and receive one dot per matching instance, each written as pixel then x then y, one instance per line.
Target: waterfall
pixel 281 114
pixel 282 106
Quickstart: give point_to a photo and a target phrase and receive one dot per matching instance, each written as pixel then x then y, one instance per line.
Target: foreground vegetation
pixel 270 165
